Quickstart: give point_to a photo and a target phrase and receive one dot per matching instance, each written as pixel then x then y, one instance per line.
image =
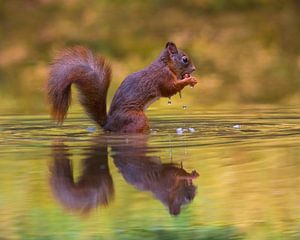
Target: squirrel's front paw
pixel 191 81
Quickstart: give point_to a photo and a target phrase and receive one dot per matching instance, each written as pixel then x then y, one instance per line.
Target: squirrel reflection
pixel 168 182
pixel 93 188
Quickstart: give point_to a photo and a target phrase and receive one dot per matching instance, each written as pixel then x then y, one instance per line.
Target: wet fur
pixel 91 75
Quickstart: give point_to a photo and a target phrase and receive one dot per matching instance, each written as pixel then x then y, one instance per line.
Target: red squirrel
pixel 91 74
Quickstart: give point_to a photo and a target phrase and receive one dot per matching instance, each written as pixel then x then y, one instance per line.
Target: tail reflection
pixel 93 188
pixel 169 183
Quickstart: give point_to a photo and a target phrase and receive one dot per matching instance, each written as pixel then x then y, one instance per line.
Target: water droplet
pixel 154 131
pixel 184 107
pixel 192 130
pixel 91 129
pixel 191 86
pixel 237 126
pixel 180 131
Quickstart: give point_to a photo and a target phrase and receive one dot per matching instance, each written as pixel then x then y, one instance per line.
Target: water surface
pixel 76 182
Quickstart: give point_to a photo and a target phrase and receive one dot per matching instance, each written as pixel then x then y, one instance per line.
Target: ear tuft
pixel 171 47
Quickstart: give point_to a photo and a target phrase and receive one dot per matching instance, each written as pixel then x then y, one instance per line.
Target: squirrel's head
pixel 178 61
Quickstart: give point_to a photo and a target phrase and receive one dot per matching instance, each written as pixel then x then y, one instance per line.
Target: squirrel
pixel 91 74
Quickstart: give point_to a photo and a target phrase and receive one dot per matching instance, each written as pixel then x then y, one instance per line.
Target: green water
pixel 76 182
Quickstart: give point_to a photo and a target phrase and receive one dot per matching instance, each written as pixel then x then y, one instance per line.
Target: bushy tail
pixel 91 74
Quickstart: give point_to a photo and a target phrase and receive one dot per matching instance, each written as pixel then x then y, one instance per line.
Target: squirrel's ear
pixel 171 47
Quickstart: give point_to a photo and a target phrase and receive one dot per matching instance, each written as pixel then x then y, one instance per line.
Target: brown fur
pixel 90 74
pixel 162 78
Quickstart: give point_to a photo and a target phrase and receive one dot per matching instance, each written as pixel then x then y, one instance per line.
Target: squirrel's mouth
pixel 185 75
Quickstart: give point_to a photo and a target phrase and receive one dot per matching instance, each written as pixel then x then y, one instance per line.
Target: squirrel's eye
pixel 184 59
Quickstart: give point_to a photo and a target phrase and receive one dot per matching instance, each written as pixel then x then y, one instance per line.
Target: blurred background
pixel 245 51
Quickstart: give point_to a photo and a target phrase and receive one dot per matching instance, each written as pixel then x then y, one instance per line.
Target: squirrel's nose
pixel 193 68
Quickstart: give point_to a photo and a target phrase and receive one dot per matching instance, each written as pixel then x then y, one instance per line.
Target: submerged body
pixel 166 76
